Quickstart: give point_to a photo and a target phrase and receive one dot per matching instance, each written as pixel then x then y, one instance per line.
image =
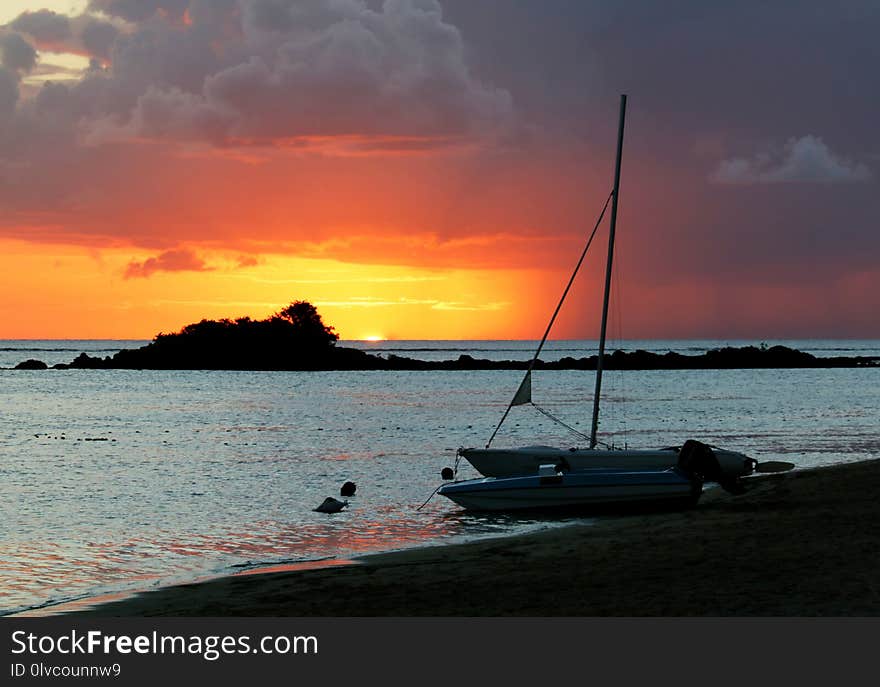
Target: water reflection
pixel 60 570
pixel 211 470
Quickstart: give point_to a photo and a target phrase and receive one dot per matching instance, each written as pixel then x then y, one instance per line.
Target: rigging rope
pixel 454 477
pixel 560 422
pixel 425 503
pixel 516 400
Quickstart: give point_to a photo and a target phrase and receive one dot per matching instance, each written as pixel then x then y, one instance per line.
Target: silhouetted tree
pixel 308 327
pixel 293 338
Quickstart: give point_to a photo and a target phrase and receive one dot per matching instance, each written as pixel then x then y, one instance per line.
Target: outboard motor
pixel 698 460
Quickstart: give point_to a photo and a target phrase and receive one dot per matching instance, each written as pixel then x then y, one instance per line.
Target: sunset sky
pixel 431 169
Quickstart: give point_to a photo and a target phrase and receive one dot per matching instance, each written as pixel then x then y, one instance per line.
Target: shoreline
pixel 89 602
pixel 796 544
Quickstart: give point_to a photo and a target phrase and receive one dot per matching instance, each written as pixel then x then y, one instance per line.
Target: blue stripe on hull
pixel 573 489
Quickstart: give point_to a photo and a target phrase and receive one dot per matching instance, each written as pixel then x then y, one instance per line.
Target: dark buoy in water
pixel 348 489
pixel 331 505
pixel 447 473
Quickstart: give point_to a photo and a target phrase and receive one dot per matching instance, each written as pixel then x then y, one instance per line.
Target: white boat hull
pixel 575 489
pixel 502 462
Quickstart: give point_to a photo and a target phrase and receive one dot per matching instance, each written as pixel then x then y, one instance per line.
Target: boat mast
pixel 616 193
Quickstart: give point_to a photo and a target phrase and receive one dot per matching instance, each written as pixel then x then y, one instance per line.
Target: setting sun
pixel 374 338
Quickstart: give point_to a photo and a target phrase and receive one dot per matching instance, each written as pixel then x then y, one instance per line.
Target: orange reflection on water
pixel 166 557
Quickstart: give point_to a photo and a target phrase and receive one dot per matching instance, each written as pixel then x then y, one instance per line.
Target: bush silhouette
pixel 293 338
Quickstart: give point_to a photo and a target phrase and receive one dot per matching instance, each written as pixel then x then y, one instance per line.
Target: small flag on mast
pixel 524 393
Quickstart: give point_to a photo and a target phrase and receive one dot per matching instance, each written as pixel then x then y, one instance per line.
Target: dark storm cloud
pixel 221 72
pixel 16 53
pixel 751 69
pixel 54 32
pixel 8 94
pixel 97 38
pixel 44 26
pixel 262 70
pixel 227 73
pixel 780 98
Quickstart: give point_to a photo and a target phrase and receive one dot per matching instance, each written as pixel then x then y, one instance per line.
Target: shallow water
pixel 126 479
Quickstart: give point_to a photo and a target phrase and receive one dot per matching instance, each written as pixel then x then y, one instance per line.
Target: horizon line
pixel 392 340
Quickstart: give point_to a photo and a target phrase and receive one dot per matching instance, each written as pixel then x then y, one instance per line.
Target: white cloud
pixel 802 160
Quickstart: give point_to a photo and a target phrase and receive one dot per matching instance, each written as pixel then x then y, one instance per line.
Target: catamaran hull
pixel 576 490
pixel 493 462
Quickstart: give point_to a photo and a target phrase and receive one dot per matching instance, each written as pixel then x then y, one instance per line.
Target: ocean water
pixel 118 480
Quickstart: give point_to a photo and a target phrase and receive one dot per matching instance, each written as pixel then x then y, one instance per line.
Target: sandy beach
pixel 802 543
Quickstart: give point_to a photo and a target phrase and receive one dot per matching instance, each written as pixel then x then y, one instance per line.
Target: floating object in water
pixel 348 489
pixel 447 473
pixel 331 505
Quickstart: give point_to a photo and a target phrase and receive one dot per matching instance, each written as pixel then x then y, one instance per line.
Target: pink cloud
pixel 247 261
pixel 169 261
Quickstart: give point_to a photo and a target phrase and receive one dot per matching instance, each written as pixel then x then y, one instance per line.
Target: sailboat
pixel 539 476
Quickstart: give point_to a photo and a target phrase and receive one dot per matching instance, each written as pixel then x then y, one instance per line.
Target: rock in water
pixel 331 505
pixel 31 365
pixel 348 489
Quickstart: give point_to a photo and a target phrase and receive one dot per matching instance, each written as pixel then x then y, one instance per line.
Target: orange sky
pixel 226 159
pixel 56 291
pixel 442 245
pixel 401 237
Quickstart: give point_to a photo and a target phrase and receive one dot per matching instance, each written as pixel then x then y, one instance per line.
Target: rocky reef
pixel 296 338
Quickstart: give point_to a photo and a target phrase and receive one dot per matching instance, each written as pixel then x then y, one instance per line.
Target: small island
pixel 296 338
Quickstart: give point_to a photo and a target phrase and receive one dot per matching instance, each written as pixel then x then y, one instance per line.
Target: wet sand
pixel 803 543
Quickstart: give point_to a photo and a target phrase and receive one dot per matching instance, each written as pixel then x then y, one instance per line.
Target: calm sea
pixel 116 480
